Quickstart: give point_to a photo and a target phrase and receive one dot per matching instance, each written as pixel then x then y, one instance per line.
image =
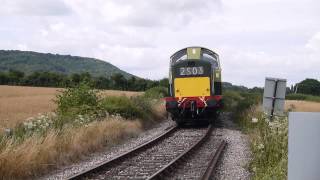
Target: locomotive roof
pixel 202 48
pixel 196 52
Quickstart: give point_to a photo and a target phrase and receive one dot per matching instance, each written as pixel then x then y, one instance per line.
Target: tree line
pixel 307 86
pixel 51 79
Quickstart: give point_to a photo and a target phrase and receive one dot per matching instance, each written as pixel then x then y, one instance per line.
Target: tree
pixel 15 77
pixel 164 82
pixel 119 81
pixel 102 83
pixel 132 83
pixel 3 78
pixel 75 78
pixel 309 86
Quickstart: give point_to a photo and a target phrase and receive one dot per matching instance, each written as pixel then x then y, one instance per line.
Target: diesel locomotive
pixel 195 89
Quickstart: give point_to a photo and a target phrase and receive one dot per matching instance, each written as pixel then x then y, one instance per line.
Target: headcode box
pixel 304 146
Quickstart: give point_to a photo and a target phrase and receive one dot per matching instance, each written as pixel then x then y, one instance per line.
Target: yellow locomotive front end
pixel 194 84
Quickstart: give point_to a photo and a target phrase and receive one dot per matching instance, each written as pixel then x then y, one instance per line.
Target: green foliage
pixel 129 108
pixel 303 97
pixel 156 92
pixel 121 105
pixel 78 100
pixel 4 79
pixel 50 79
pixel 81 105
pixel 231 100
pixel 309 86
pixel 230 87
pixel 270 149
pixel 29 62
pixel 268 139
pixel 238 102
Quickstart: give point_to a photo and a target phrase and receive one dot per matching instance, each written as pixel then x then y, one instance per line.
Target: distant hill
pixel 28 62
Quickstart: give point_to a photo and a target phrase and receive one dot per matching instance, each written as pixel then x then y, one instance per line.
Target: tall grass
pixel 83 122
pixel 38 154
pixel 269 144
pixel 268 139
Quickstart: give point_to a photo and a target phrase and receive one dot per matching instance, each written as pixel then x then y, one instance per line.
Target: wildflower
pixel 30 125
pixel 260 146
pixel 254 120
pixel 254 169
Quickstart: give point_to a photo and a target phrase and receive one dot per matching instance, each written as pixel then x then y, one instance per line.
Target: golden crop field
pixel 17 103
pixel 302 106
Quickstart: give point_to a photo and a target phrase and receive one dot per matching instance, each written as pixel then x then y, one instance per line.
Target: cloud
pixel 314 43
pixel 255 39
pixel 34 7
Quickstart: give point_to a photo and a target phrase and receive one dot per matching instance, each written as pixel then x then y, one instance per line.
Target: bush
pixel 124 106
pixel 156 92
pixel 80 100
pixel 303 97
pixel 231 100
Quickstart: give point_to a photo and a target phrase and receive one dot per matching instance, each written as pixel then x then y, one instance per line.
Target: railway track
pixel 160 157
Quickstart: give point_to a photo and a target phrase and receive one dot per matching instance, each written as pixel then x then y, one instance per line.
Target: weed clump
pixel 156 92
pixel 269 140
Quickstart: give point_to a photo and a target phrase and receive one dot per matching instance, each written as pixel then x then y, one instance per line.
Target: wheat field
pixel 18 103
pixel 302 106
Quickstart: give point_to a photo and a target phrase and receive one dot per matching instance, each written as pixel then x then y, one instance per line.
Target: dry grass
pixel 17 103
pixel 40 154
pixel 302 106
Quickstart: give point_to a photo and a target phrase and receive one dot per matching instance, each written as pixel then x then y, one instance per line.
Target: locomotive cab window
pixel 179 56
pixel 212 59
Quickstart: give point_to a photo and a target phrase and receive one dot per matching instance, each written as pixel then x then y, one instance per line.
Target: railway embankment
pixel 233 163
pixel 84 122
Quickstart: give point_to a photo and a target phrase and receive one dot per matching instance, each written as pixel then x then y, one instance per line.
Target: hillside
pixel 29 62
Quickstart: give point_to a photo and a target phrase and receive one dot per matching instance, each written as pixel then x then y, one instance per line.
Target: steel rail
pixel 209 173
pixel 169 167
pixel 122 156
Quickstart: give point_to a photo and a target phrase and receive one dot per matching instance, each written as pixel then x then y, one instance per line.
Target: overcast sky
pixel 254 38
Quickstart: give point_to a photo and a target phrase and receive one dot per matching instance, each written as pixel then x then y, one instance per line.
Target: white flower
pixel 254 169
pixel 260 146
pixel 254 120
pixel 30 125
pixel 266 120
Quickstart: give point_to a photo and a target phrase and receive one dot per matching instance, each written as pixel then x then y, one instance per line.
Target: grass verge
pixel 83 122
pixel 37 154
pixel 268 140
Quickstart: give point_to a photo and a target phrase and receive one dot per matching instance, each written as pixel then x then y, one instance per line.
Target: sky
pixel 254 38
